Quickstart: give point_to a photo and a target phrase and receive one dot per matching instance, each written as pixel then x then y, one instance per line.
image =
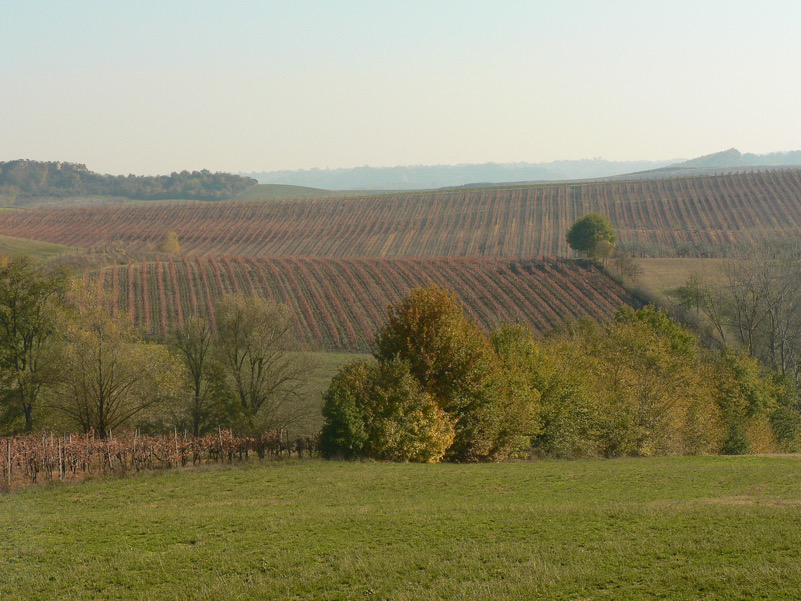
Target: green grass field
pixel 664 275
pixel 327 365
pixel 675 528
pixel 41 250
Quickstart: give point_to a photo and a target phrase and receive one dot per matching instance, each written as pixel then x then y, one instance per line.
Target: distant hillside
pixel 734 158
pixel 284 192
pixel 727 161
pixel 684 216
pixel 23 180
pixel 418 177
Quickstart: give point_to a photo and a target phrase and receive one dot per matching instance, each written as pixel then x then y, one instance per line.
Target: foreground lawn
pixel 679 528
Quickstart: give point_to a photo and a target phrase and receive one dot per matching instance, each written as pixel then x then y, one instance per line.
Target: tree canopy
pixel 592 235
pixel 456 390
pixel 27 294
pixel 257 348
pixel 105 374
pixel 29 179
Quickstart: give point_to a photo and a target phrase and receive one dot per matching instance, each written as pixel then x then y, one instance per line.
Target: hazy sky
pixel 154 87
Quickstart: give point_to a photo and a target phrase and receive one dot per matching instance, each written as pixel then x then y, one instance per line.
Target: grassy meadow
pixel 327 364
pixel 666 528
pixel 660 276
pixel 43 251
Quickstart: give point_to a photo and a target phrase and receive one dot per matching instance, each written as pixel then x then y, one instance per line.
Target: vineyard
pixel 42 458
pixel 657 217
pixel 340 302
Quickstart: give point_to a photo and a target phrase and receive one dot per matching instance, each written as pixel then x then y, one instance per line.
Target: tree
pixel 626 267
pixel 758 306
pixel 257 347
pixel 379 410
pixel 171 244
pixel 192 343
pixel 28 294
pixel 455 363
pixel 592 235
pixel 105 374
pixel 638 385
pixel 559 370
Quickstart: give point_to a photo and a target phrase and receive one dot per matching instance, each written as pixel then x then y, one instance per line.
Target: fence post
pixel 8 462
pixel 60 464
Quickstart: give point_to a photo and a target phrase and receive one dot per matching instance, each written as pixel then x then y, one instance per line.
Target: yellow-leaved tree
pixel 438 385
pixel 171 244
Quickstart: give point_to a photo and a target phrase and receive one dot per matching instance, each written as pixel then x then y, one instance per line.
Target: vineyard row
pixel 339 303
pixel 45 457
pixel 524 221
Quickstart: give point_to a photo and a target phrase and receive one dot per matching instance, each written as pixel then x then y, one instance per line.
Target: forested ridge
pixel 23 179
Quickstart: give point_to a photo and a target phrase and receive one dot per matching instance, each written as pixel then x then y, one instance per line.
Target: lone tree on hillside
pixel 171 244
pixel 593 235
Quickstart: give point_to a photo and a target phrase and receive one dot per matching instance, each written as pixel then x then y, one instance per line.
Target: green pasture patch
pixel 35 248
pixel 327 365
pixel 668 528
pixel 665 275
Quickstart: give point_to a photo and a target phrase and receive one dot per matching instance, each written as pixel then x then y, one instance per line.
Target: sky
pixel 155 87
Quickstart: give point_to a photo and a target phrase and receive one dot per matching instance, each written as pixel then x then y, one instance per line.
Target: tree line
pixel 437 386
pixel 755 306
pixel 23 179
pixel 66 362
pixel 640 385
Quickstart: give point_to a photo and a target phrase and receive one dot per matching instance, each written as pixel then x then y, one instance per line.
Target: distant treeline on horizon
pixel 25 179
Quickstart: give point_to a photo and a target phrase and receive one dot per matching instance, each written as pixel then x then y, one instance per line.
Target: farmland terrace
pixel 699 215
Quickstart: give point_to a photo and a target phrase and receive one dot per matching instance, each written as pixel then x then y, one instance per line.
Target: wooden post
pixel 8 461
pixel 60 462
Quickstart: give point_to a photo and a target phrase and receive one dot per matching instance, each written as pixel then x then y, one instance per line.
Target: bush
pixel 379 410
pixel 437 387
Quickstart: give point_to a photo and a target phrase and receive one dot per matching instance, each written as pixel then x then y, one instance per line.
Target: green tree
pixel 560 369
pixel 455 363
pixel 748 400
pixel 379 410
pixel 192 343
pixel 592 235
pixel 105 374
pixel 257 347
pixel 28 294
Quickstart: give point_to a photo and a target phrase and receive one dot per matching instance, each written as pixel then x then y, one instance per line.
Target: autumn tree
pixel 257 348
pixel 171 244
pixel 454 362
pixel 592 235
pixel 105 374
pixel 29 293
pixel 757 306
pixel 379 410
pixel 747 400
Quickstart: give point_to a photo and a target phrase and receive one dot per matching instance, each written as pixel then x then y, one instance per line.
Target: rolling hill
pixel 341 302
pixel 692 216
